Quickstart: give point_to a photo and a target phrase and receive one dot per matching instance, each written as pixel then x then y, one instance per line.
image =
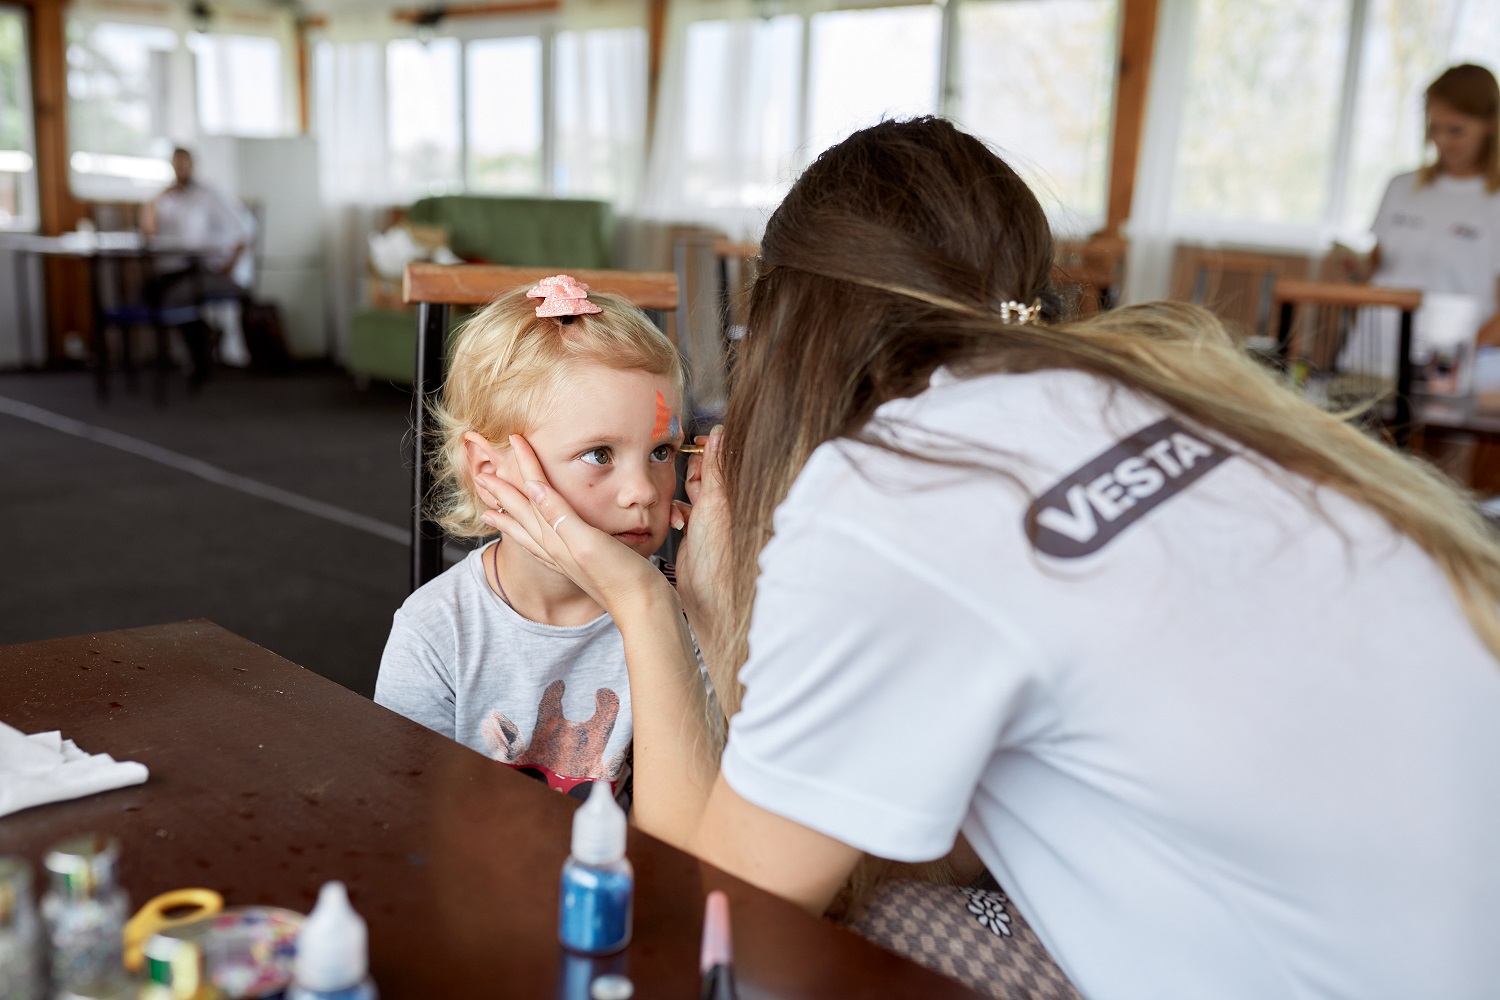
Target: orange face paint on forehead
pixel 666 421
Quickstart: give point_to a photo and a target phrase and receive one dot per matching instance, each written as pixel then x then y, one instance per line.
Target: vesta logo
pixel 1084 512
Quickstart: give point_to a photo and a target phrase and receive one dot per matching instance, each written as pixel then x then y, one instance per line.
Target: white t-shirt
pixel 1215 744
pixel 552 701
pixel 1444 237
pixel 201 216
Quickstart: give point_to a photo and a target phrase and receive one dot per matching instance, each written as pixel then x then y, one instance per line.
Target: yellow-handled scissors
pixel 195 904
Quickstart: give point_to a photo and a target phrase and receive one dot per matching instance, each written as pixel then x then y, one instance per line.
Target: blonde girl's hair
pixel 1470 90
pixel 890 257
pixel 505 364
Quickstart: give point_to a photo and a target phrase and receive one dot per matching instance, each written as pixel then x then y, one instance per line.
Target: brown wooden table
pixel 108 294
pixel 267 779
pixel 1461 415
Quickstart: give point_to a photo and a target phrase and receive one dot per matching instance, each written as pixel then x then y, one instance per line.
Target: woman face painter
pixel 1205 675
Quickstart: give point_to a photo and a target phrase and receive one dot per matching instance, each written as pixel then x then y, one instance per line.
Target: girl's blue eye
pixel 599 456
pixel 663 453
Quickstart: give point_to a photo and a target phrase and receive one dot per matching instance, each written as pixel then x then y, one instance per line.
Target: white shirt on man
pixel 1214 742
pixel 200 216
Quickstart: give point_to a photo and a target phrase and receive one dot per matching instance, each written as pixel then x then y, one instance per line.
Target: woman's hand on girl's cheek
pixel 503 518
pixel 606 569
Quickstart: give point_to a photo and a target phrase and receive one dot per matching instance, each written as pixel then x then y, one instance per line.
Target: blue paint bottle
pixel 598 884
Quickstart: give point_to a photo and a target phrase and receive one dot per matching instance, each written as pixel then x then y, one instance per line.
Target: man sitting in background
pixel 207 220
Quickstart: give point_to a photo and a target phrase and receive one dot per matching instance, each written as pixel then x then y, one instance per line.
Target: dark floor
pixel 95 535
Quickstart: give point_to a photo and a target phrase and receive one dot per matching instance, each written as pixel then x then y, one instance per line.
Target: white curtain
pixel 349 119
pixel 727 138
pixel 1149 229
pixel 599 101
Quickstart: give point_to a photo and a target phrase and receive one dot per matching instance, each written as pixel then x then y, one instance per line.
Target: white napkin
pixel 44 767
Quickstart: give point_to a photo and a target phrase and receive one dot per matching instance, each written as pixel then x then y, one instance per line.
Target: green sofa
pixel 526 232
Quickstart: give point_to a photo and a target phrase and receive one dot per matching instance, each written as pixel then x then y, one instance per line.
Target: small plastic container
pixel 598 883
pixel 175 970
pixel 333 955
pixel 84 911
pixel 20 934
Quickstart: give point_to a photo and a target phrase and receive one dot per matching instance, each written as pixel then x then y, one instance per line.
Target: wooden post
pixel 656 42
pixel 1137 36
pixel 304 109
pixel 66 280
pixel 49 87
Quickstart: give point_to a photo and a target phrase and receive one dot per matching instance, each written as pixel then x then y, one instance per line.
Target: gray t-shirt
pixel 550 700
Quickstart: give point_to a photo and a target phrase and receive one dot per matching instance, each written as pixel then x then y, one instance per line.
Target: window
pixel 742 94
pixel 136 89
pixel 1036 79
pixel 502 106
pixel 761 97
pixel 239 84
pixel 1261 110
pixel 504 147
pixel 867 65
pixel 120 109
pixel 17 143
pixel 423 86
pixel 600 107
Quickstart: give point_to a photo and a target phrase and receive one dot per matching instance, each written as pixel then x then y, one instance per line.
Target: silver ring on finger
pixel 559 521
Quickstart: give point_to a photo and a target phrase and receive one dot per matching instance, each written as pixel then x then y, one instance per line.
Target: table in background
pixel 1461 414
pixel 96 249
pixel 267 780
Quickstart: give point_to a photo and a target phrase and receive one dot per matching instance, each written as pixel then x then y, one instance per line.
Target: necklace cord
pixel 495 565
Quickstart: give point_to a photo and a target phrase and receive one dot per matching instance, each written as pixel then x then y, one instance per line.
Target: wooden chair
pixel 739 258
pixel 1236 285
pixel 435 289
pixel 1320 342
pixel 1094 268
pixel 712 272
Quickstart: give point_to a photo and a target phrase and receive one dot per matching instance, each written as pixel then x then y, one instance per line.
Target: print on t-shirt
pixel 563 753
pixel 1095 503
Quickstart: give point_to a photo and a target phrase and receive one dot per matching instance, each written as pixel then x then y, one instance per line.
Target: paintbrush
pixel 716 962
pixel 690 449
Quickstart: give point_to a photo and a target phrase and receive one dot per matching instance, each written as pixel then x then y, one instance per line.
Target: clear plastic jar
pixel 20 935
pixel 85 912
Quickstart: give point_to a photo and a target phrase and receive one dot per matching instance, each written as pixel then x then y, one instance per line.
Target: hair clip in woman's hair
pixel 563 295
pixel 1019 314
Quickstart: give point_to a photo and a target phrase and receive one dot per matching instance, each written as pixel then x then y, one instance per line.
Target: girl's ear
pixel 484 456
pixel 480 456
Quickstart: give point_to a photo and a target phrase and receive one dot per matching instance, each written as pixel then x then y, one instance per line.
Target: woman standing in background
pixel 1438 228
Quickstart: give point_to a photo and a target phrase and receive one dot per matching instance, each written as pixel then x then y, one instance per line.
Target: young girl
pixel 502 653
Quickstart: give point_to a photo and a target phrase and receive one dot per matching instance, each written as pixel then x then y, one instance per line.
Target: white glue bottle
pixel 333 958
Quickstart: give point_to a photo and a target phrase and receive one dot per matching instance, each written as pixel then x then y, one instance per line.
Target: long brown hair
pixel 891 256
pixel 1470 90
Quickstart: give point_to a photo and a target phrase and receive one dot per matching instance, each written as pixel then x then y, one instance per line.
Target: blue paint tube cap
pixel 599 828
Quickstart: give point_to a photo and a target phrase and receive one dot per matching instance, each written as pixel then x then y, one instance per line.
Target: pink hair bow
pixel 563 295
